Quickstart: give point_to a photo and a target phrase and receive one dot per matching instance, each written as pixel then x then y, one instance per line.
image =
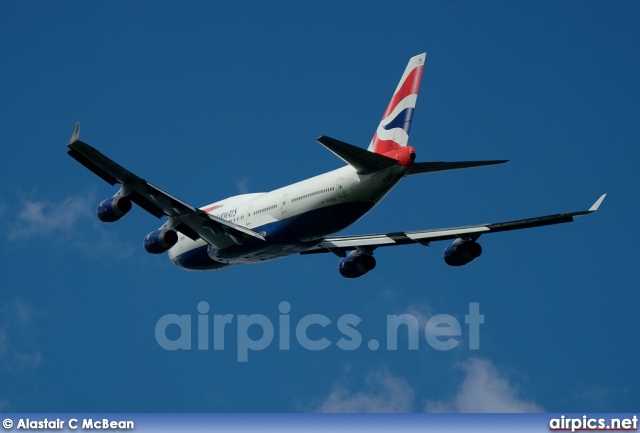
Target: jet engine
pixel 356 264
pixel 159 241
pixel 461 252
pixel 113 208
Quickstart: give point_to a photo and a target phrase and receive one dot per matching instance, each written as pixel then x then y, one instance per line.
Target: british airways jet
pixel 300 218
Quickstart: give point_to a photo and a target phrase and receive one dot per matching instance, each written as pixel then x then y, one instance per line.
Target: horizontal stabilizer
pixel 430 167
pixel 362 160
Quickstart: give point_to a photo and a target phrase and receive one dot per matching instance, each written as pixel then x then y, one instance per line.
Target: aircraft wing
pixel 340 245
pixel 191 221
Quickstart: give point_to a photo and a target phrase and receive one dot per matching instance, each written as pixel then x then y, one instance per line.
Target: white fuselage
pixel 293 218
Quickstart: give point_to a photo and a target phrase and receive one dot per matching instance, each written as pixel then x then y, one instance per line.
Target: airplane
pixel 302 217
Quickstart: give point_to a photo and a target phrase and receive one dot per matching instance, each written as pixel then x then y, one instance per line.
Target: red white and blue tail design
pixel 393 131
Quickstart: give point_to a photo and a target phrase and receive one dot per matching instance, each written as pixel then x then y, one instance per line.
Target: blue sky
pixel 208 100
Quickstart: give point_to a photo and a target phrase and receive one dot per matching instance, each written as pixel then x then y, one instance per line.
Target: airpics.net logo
pixel 256 332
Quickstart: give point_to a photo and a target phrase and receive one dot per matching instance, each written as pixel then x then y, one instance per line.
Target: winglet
pixel 597 204
pixel 75 135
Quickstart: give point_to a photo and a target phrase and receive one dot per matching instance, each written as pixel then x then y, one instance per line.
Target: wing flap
pixel 92 167
pixel 106 165
pixel 146 204
pixel 361 241
pixel 442 234
pixel 187 231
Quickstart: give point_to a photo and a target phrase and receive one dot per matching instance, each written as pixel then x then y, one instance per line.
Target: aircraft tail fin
pixel 393 130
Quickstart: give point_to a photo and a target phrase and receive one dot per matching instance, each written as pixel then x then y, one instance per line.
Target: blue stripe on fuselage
pixel 197 259
pixel 288 236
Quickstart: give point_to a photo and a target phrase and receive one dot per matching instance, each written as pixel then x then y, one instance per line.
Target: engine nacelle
pixel 112 209
pixel 356 264
pixel 159 241
pixel 461 252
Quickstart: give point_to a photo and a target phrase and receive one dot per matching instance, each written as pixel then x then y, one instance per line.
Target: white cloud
pixel 16 326
pixel 70 221
pixel 484 389
pixel 383 392
pixel 421 311
pixel 17 355
pixel 242 185
pixel 42 218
